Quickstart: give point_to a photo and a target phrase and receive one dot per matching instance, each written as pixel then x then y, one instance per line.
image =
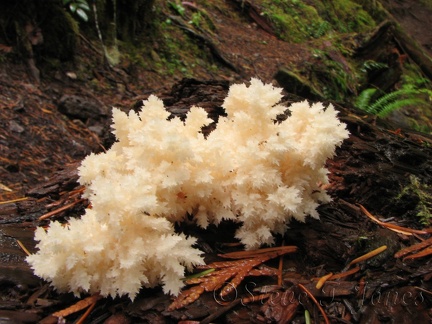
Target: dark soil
pixel 47 128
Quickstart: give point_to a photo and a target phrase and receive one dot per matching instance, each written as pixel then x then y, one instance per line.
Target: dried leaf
pixel 186 297
pixel 241 273
pixel 225 270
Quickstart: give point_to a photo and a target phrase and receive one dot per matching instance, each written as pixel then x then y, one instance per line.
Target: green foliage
pixel 364 98
pixel 196 19
pixel 371 65
pixel 345 16
pixel 294 20
pixel 408 95
pixel 299 20
pixel 332 73
pixel 78 7
pixel 177 7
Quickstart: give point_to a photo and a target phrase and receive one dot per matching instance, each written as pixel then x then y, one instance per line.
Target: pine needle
pixel 326 320
pixel 392 227
pixel 13 200
pixel 22 246
pixel 413 248
pixel 199 274
pixel 59 210
pixel 421 254
pixel 86 314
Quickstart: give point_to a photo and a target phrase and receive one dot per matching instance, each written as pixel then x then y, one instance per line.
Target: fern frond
pixel 364 98
pixel 398 95
pixel 395 105
pixel 408 95
pixel 383 101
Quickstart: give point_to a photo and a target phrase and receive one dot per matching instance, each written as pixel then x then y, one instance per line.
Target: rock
pixel 15 127
pixel 82 108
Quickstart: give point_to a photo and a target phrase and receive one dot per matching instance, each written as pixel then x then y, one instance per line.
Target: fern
pixel 371 65
pixel 364 98
pixel 395 105
pixel 408 95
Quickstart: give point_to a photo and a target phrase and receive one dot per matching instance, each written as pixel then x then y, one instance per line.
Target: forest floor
pixel 49 126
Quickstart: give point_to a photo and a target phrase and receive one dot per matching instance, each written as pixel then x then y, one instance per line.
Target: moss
pixel 297 21
pixel 346 15
pixel 419 195
pixel 427 4
pixel 294 20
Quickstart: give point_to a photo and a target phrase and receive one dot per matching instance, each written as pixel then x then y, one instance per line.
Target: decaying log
pixel 371 168
pixel 410 46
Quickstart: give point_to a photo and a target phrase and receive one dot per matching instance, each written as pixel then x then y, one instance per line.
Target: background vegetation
pixel 168 37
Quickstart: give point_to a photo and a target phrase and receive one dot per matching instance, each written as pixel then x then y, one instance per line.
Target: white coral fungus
pixel 250 169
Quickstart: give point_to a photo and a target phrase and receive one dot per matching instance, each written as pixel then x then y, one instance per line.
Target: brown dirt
pixel 36 140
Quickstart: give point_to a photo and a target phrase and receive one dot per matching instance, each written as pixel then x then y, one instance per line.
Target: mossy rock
pixel 296 84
